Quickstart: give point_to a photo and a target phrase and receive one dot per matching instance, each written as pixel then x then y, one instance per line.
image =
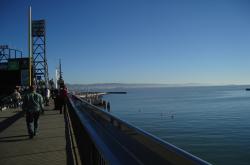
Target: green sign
pixel 13 65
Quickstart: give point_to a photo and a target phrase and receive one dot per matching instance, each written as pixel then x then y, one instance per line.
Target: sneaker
pixel 31 136
pixel 35 133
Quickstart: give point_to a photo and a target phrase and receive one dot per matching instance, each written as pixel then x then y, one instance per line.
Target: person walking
pixel 16 98
pixel 63 98
pixel 47 96
pixel 55 97
pixel 32 105
pixel 108 107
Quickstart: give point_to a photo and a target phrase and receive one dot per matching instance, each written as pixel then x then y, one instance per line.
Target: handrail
pixel 118 142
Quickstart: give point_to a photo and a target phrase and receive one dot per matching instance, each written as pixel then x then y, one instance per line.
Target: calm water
pixel 212 123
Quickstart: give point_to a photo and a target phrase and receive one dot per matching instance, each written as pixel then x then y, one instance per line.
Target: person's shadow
pixel 7 139
pixel 10 120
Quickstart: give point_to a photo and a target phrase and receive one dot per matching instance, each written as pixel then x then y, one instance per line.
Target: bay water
pixel 212 123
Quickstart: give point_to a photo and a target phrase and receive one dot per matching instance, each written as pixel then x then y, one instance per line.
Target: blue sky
pixel 138 41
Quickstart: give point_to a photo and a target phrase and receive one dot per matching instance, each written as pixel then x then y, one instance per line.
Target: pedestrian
pixel 63 98
pixel 55 97
pixel 47 97
pixel 16 98
pixel 32 105
pixel 108 107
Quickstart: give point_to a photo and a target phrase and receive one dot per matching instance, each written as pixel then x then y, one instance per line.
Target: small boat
pixel 247 89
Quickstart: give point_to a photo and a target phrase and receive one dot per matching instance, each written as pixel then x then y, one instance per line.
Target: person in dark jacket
pixel 63 99
pixel 32 105
pixel 108 107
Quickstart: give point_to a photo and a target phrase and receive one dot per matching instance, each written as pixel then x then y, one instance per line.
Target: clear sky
pixel 138 41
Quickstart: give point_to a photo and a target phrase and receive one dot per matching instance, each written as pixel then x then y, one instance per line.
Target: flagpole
pixel 30 47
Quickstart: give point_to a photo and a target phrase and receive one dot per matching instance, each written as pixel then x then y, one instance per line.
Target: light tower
pixel 40 65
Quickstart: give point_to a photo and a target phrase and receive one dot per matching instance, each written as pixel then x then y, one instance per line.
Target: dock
pixel 50 146
pixel 84 134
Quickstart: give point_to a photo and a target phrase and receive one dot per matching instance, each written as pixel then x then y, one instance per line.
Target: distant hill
pixel 124 86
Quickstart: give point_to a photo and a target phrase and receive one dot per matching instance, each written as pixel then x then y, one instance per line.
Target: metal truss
pixel 39 51
pixel 7 53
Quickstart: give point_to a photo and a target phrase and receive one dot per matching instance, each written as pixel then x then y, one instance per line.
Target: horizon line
pixel 169 84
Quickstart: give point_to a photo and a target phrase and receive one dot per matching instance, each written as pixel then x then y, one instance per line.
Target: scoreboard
pixel 14 73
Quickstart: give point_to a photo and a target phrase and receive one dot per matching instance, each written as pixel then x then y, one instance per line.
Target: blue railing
pixel 105 139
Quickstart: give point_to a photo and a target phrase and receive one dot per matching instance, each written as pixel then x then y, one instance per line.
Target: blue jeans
pixel 32 122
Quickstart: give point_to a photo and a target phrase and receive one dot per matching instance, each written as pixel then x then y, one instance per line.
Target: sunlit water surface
pixel 212 123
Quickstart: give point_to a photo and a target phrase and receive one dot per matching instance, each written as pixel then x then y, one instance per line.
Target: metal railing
pixel 105 139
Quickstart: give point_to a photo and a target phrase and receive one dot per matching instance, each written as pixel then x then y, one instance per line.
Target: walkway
pixel 48 147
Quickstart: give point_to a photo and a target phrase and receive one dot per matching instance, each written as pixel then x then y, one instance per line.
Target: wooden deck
pixel 50 146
